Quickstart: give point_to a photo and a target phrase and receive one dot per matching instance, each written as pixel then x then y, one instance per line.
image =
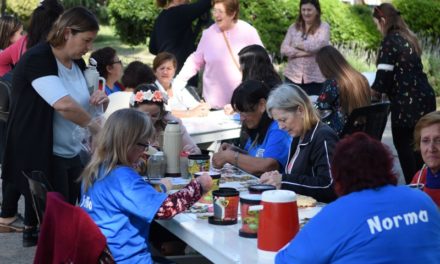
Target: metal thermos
pixel 172 146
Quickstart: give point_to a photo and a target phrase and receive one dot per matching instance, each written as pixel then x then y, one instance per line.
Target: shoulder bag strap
pixel 230 51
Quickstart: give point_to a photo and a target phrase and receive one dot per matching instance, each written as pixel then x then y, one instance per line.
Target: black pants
pixel 310 88
pixel 10 195
pixel 410 160
pixel 66 172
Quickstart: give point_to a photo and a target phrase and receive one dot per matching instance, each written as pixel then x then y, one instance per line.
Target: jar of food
pixel 156 165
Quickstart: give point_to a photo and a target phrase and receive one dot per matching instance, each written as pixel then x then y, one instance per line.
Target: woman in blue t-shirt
pixel 267 146
pixel 120 202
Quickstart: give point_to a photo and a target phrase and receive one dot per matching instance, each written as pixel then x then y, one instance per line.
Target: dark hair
pixel 104 57
pixel 9 25
pixel 77 19
pixel 162 3
pixel 244 99
pixel 300 24
pixel 231 7
pixel 361 162
pixel 354 90
pixel 145 87
pixel 256 64
pixel 137 73
pixel 42 19
pixel 395 23
pixel 163 57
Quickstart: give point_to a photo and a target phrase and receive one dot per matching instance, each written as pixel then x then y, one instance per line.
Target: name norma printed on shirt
pixel 378 225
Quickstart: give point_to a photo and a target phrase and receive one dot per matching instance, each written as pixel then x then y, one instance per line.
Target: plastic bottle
pixel 156 165
pixel 184 165
pixel 171 146
pixel 93 79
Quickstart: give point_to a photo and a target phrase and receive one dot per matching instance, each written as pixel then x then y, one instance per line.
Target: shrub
pixel 22 8
pixel 422 16
pixel 132 19
pixel 98 7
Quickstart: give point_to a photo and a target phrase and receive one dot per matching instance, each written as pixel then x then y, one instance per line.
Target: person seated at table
pixel 373 220
pixel 148 99
pixel 116 197
pixel 266 148
pixel 110 68
pixel 308 169
pixel 427 141
pixel 343 90
pixel 137 73
pixel 181 102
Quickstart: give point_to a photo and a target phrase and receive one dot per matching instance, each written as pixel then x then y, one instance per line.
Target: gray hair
pixel 122 130
pixel 288 97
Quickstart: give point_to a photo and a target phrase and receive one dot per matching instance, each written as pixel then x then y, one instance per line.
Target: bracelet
pixel 236 158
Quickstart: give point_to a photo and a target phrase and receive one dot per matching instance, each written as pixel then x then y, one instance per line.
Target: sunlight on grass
pixel 108 38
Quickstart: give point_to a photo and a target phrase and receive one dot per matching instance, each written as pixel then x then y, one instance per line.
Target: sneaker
pixel 30 237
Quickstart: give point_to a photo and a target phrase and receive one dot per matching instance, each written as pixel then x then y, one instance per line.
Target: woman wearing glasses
pixel 427 140
pixel 400 76
pixel 110 68
pixel 217 54
pixel 148 99
pixel 120 202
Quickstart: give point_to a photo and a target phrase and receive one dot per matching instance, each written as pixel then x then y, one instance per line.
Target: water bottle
pixel 171 146
pixel 156 165
pixel 93 79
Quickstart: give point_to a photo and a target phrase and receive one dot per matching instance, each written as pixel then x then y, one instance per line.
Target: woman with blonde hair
pixel 121 203
pixel 307 170
pixel 400 76
pixel 344 90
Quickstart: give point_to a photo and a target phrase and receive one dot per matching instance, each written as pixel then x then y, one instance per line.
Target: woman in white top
pixel 180 101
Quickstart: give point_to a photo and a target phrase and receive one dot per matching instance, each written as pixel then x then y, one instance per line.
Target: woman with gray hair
pixel 116 197
pixel 308 169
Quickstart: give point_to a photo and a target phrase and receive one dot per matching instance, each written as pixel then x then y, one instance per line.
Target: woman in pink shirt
pixel 217 53
pixel 303 40
pixel 10 31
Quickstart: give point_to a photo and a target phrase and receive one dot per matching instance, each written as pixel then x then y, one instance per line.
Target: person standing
pixel 303 40
pixel 173 29
pixel 217 54
pixel 50 99
pixel 400 76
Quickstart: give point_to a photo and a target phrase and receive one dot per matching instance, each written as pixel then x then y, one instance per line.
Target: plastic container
pixel 198 163
pixel 184 165
pixel 156 165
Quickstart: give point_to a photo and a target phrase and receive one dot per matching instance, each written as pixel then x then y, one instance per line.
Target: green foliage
pixel 431 62
pixel 22 8
pixel 270 18
pixel 132 19
pixel 422 16
pixel 98 7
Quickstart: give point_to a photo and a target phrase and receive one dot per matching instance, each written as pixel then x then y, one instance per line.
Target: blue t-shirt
pixel 123 206
pixel 392 224
pixel 116 88
pixel 275 145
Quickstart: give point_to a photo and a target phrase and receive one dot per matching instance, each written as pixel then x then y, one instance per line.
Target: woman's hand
pixel 205 181
pixel 222 157
pixel 228 109
pixel 272 178
pixel 99 97
pixel 201 110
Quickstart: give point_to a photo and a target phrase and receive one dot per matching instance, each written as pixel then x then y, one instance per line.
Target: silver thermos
pixel 172 146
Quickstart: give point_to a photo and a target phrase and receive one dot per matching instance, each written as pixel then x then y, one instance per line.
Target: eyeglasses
pixel 116 62
pixel 427 142
pixel 217 11
pixel 145 146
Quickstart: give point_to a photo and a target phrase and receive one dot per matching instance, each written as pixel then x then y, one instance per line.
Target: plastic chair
pixel 39 186
pixel 370 119
pixel 69 235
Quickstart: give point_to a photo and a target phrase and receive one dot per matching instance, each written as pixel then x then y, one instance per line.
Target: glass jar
pixel 156 165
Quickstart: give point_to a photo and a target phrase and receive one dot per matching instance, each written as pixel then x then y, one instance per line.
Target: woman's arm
pixel 315 42
pixel 287 46
pixel 384 81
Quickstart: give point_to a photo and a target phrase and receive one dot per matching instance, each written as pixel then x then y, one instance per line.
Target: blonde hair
pixel 354 89
pixel 426 121
pixel 289 97
pixel 122 130
pixel 77 19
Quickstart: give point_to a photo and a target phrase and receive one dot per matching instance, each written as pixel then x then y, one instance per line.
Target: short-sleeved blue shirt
pixel 275 145
pixel 391 224
pixel 123 205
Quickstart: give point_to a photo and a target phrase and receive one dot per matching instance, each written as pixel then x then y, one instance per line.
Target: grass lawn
pixel 108 38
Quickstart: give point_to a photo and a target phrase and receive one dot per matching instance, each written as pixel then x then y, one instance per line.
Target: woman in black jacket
pixel 308 169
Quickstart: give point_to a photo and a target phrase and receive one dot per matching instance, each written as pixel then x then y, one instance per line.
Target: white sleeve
pixel 50 88
pixel 186 98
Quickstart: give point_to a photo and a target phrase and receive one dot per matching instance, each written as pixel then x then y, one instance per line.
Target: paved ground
pixel 11 250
